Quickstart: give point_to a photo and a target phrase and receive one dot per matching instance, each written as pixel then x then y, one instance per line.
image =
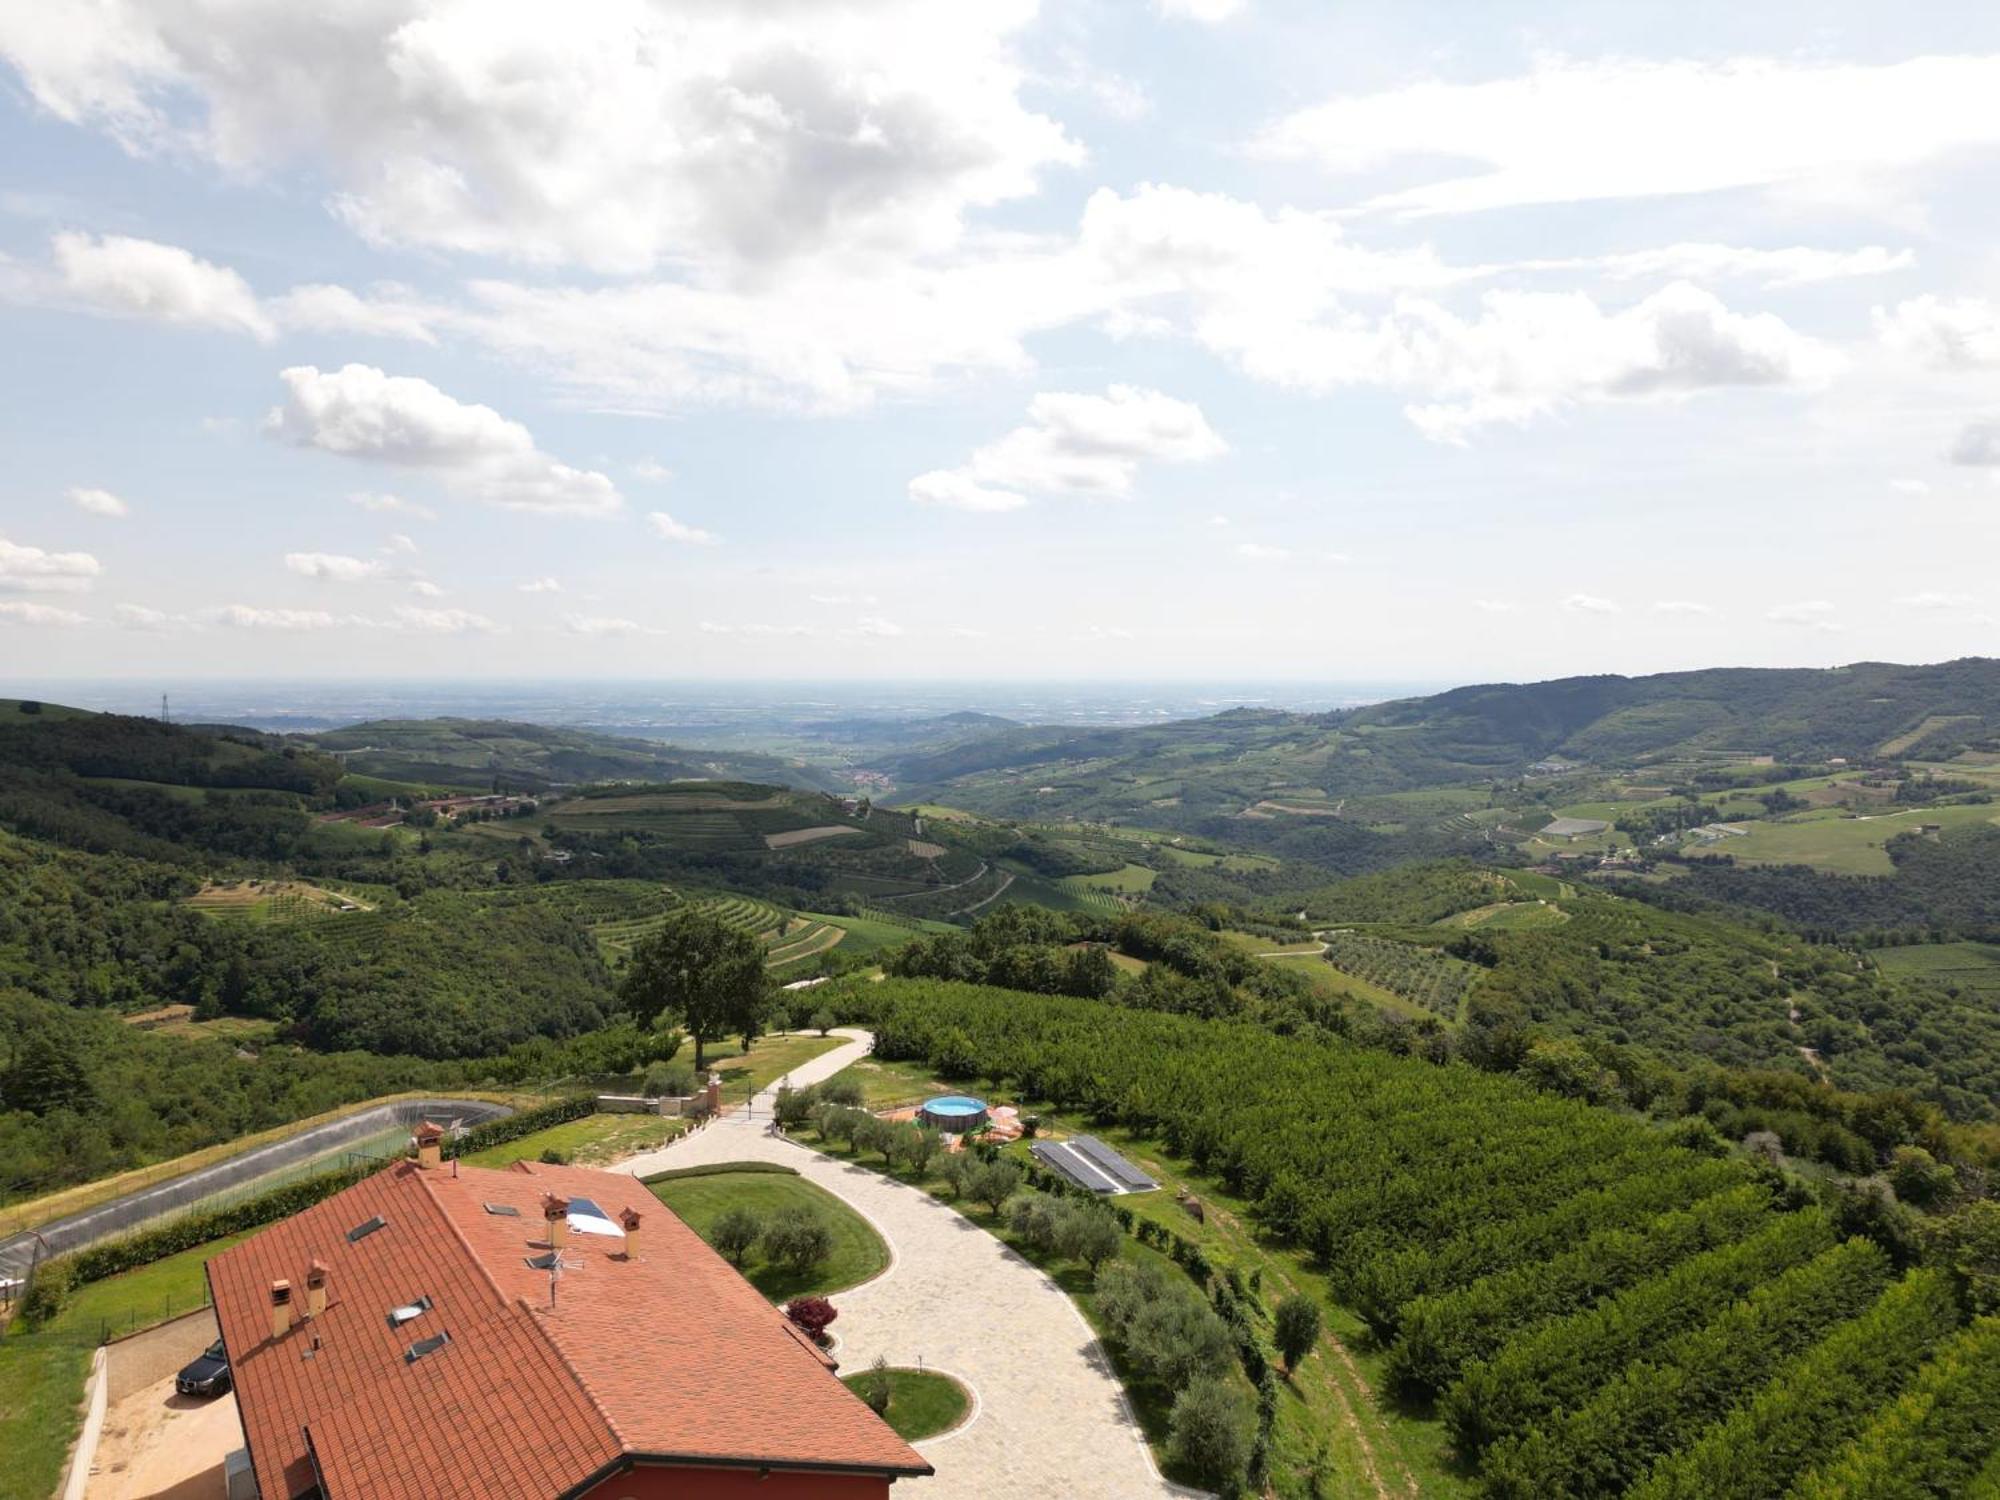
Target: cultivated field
pixel 1842 845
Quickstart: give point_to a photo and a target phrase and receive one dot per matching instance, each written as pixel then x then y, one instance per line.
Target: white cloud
pixel 145 279
pixel 760 628
pixel 98 502
pixel 968 633
pixel 1933 599
pixel 1977 445
pixel 650 471
pixel 861 600
pixel 252 617
pixel 541 586
pixel 1681 607
pixel 1910 486
pixel 1590 604
pixel 667 529
pixel 1793 265
pixel 875 625
pixel 423 588
pixel 1495 606
pixel 32 570
pixel 1075 444
pixel 333 567
pixel 1807 614
pixel 400 544
pixel 1218 520
pixel 391 313
pixel 599 625
pixel 359 412
pixel 21 612
pixel 1261 552
pixel 440 621
pixel 1573 131
pixel 140 617
pixel 1209 12
pixel 1961 334
pixel 619 136
pixel 387 504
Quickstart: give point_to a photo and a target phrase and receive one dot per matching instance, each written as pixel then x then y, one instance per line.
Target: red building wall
pixel 671 1482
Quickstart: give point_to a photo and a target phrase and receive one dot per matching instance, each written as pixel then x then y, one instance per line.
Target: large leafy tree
pixel 702 973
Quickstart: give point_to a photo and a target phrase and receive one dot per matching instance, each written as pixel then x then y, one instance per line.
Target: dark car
pixel 205 1375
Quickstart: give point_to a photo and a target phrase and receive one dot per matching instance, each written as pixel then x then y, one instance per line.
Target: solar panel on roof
pixel 367 1227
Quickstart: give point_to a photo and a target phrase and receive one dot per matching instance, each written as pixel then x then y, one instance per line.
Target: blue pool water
pixel 955 1104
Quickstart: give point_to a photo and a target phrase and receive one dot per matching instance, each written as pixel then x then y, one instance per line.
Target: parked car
pixel 205 1375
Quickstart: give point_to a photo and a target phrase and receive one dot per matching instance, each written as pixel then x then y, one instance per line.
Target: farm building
pixel 535 1332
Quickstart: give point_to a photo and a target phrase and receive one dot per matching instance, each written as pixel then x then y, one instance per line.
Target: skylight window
pixel 367 1227
pixel 422 1347
pixel 504 1210
pixel 409 1312
pixel 540 1262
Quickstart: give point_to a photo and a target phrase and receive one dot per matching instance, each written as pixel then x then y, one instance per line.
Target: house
pixel 440 1331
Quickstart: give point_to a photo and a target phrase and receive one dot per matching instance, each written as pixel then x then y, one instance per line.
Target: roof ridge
pixel 535 1319
pixel 464 1241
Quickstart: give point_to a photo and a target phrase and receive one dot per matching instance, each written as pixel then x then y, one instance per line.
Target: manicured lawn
pixel 922 1403
pixel 886 1084
pixel 858 1252
pixel 585 1142
pixel 42 1373
pixel 771 1059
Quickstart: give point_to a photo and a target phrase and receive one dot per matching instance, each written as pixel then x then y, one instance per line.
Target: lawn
pixel 1840 845
pixel 42 1373
pixel 922 1403
pixel 887 1084
pixel 768 1061
pixel 590 1141
pixel 858 1252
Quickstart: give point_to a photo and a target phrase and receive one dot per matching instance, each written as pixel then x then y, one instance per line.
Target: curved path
pixel 1050 1421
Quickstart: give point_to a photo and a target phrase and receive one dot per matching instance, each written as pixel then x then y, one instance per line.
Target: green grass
pixel 1969 966
pixel 771 1059
pixel 1840 845
pixel 867 935
pixel 592 1140
pixel 922 1403
pixel 858 1251
pixel 42 1373
pixel 1127 880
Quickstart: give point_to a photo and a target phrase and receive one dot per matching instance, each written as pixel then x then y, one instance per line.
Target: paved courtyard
pixel 1050 1420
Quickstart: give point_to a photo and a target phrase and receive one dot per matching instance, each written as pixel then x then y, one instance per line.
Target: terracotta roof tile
pixel 669 1353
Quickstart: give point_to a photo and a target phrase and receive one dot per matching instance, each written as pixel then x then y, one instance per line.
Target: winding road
pixel 1050 1421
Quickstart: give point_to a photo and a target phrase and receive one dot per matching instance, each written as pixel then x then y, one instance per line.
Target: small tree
pixel 813 1314
pixel 875 1386
pixel 735 1234
pixel 1209 1432
pixel 993 1183
pixel 798 1239
pixel 956 1169
pixel 873 1134
pixel 842 1091
pixel 1295 1328
pixel 1035 1217
pixel 793 1107
pixel 822 1020
pixel 920 1149
pixel 669 1080
pixel 1089 1233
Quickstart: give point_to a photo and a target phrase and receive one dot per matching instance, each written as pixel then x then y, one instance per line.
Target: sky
pixel 1453 340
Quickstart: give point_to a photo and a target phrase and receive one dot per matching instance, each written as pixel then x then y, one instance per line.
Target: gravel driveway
pixel 1050 1420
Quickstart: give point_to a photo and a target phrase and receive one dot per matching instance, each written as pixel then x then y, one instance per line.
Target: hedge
pixel 716 1169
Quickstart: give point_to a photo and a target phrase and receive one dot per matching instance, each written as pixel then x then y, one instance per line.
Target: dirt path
pixel 1006 879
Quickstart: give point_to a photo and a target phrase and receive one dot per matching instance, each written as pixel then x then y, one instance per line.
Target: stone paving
pixel 1050 1421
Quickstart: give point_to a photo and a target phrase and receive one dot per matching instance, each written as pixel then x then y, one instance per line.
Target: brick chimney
pixel 629 1221
pixel 316 1275
pixel 281 1308
pixel 430 1144
pixel 555 1214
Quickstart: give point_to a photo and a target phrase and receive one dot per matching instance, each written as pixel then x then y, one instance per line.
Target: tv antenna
pixel 558 1265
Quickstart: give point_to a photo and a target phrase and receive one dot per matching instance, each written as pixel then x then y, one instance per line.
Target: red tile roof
pixel 669 1355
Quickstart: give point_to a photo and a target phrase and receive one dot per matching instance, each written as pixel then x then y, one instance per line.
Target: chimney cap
pixel 629 1219
pixel 281 1292
pixel 316 1273
pixel 429 1130
pixel 554 1207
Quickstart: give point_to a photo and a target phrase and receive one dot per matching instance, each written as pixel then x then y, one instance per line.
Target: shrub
pixel 735 1234
pixel 842 1091
pixel 875 1386
pixel 1209 1433
pixel 553 1156
pixel 47 1293
pixel 798 1238
pixel 716 1168
pixel 794 1107
pixel 812 1314
pixel 669 1080
pixel 1295 1328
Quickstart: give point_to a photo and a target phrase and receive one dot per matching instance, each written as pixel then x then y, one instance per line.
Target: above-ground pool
pixel 957 1113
